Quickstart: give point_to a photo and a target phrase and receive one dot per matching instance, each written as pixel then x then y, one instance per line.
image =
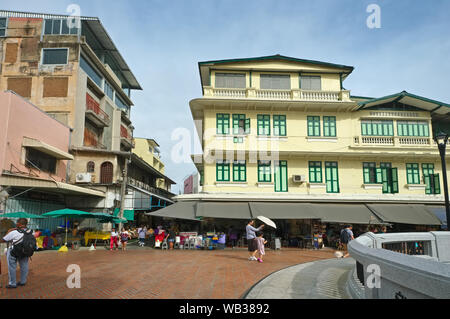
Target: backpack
pixel 26 246
pixel 345 236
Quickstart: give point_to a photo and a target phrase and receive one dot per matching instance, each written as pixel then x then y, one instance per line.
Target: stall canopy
pixel 345 213
pixel 236 210
pixel 181 210
pixel 439 212
pixel 405 214
pixel 277 210
pixel 127 214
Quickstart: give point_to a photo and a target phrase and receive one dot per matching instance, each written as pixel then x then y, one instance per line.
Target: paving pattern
pixel 323 279
pixel 154 274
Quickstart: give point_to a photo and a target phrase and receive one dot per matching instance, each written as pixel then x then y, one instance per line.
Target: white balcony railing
pixel 380 140
pixel 414 141
pixel 392 141
pixel 319 96
pixel 234 93
pixel 294 94
pixel 273 94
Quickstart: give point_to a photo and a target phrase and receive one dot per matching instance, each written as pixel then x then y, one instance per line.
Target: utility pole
pixel 123 189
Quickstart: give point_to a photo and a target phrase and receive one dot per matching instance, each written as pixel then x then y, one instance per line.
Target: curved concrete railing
pixel 388 274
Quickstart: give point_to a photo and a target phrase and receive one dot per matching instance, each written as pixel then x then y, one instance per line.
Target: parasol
pixel 267 221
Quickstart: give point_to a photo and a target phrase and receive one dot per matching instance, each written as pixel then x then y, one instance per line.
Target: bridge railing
pixel 403 265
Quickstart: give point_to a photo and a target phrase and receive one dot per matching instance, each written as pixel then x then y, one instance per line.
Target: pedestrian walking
pixel 251 236
pixel 346 237
pixel 260 242
pixel 22 245
pixel 171 235
pixel 232 235
pixel 142 232
pixel 114 240
pixel 124 237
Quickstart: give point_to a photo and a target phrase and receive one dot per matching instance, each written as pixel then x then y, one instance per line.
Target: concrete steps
pixel 325 279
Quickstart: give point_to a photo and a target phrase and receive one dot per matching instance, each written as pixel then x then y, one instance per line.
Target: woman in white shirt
pixel 114 239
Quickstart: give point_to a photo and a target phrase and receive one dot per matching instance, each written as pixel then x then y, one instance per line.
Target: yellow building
pixel 148 150
pixel 283 138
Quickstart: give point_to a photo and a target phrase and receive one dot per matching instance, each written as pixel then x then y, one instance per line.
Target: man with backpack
pixel 346 237
pixel 22 246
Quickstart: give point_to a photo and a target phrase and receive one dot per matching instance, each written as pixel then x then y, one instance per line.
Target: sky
pixel 163 41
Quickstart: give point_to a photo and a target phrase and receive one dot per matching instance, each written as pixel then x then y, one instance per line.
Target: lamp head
pixel 441 138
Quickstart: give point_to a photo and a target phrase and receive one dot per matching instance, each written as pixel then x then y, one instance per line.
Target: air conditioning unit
pixel 83 178
pixel 298 178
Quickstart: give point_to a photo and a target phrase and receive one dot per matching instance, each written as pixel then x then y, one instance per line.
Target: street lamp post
pixel 441 140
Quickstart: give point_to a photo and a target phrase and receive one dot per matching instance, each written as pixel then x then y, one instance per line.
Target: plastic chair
pixel 165 245
pixel 192 243
pixel 177 242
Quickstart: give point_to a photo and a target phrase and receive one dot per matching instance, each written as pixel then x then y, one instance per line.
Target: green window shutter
pixel 426 130
pixel 315 172
pixel 384 179
pixel 331 177
pixel 239 172
pixel 247 126
pixel 379 175
pixel 226 124
pixel 279 125
pixel 329 126
pixel 264 172
pixel 235 123
pixel 427 179
pixel 369 173
pixel 437 184
pixel 281 174
pixel 263 124
pixel 394 180
pixel 363 128
pixel 223 172
pixel 239 123
pixel 313 125
pixel 223 123
pixel 276 125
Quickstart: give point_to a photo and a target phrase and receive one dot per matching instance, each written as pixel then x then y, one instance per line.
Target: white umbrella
pixel 267 221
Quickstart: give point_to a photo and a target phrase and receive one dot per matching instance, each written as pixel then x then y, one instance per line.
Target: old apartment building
pixel 71 69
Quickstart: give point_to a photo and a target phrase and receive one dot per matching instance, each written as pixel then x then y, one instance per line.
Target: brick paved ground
pixel 156 274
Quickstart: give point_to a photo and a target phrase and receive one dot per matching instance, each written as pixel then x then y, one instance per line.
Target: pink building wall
pixel 189 185
pixel 19 119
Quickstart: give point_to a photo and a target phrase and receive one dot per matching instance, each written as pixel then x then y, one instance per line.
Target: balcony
pixel 392 141
pixel 151 189
pixel 126 138
pixel 95 114
pixel 288 95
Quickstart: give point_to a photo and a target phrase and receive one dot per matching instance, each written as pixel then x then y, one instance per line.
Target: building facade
pixel 70 68
pixel 285 131
pixel 35 160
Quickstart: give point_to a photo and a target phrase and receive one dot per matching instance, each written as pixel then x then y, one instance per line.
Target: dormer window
pixel 230 80
pixel 275 82
pixel 308 82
